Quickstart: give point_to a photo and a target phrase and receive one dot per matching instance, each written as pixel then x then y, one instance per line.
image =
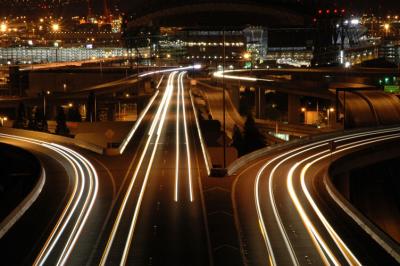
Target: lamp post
pixel 329 111
pixel 44 94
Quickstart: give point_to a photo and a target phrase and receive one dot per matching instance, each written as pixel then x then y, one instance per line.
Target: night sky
pixel 79 7
pixel 362 5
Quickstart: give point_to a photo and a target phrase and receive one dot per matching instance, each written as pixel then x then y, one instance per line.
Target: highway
pixel 214 100
pixel 142 207
pixel 286 213
pixel 160 215
pixel 52 228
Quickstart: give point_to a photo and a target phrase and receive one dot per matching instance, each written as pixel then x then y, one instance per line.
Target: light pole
pixel 329 111
pixel 44 93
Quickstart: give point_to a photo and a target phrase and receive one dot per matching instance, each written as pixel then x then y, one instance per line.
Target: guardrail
pixel 57 138
pixel 244 160
pixel 27 202
pixel 371 229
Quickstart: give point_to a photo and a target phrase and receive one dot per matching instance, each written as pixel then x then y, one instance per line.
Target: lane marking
pixel 128 242
pixel 181 87
pixel 135 175
pixel 177 146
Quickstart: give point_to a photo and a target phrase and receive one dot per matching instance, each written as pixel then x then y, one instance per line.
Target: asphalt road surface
pixel 287 216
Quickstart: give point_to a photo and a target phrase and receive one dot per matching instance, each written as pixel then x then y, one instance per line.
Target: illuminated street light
pixel 3 27
pixel 386 26
pixel 3 119
pixel 247 55
pixel 55 27
pixel 329 112
pixel 303 109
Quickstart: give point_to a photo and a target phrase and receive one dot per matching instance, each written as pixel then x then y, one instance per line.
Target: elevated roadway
pixel 286 214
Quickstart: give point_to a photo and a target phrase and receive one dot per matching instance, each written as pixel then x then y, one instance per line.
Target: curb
pixel 387 244
pixel 17 213
pixel 45 136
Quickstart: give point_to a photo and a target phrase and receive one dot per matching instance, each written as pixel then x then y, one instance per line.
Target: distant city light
pixel 386 26
pixel 55 27
pixel 3 27
pixel 355 21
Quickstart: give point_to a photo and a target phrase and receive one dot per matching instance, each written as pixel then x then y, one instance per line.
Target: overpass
pixel 365 105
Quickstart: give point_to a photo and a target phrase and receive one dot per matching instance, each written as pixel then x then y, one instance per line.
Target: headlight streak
pixel 222 74
pixel 159 83
pixel 306 220
pixel 350 257
pixel 137 123
pixel 133 180
pixel 170 70
pixel 272 199
pixel 87 207
pixel 138 205
pixel 177 145
pixel 203 149
pixel 180 86
pixel 57 231
pixel 163 100
pixel 78 163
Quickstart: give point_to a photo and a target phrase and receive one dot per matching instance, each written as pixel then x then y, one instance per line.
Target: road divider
pixel 22 207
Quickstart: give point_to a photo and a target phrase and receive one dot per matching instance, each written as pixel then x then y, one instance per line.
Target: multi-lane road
pixel 144 207
pixel 160 218
pixel 287 214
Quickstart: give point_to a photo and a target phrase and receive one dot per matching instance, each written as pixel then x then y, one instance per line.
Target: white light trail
pixel 137 123
pixel 80 165
pixel 257 196
pixel 133 180
pixel 313 232
pixel 203 149
pixel 181 87
pixel 177 146
pixel 159 83
pixel 350 257
pixel 222 74
pixel 170 70
pixel 149 167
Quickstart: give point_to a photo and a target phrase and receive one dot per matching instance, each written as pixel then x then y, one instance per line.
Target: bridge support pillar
pixel 260 103
pixel 293 109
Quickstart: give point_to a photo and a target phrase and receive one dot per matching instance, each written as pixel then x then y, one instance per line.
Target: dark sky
pixel 79 7
pixel 384 6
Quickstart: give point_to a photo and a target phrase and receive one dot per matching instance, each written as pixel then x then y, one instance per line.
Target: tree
pixel 74 115
pixel 41 121
pixel 32 122
pixel 21 116
pixel 246 102
pixel 252 138
pixel 237 140
pixel 61 128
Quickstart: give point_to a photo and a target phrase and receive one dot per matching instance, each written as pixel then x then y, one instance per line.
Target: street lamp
pixel 329 111
pixel 3 27
pixel 386 26
pixel 55 27
pixel 3 119
pixel 304 110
